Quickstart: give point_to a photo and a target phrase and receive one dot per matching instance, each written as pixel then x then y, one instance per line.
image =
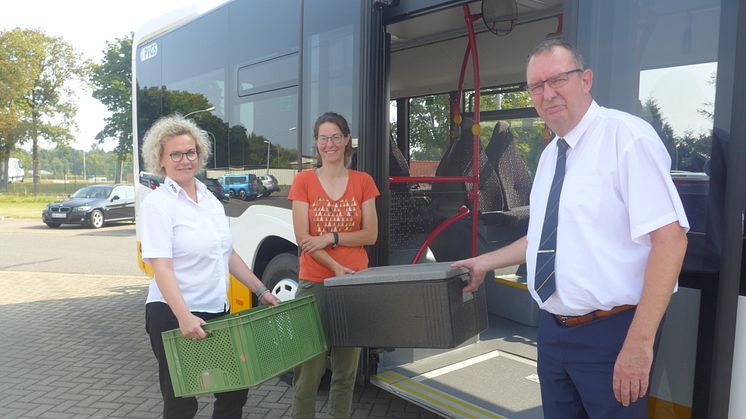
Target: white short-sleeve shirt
pixel 196 236
pixel 617 189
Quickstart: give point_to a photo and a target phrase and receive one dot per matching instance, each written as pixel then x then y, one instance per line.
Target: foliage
pixel 42 103
pixel 429 127
pixel 112 84
pixel 232 146
pixel 689 152
pixel 18 64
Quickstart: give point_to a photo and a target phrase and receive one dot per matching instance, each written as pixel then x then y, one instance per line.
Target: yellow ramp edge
pixel 429 396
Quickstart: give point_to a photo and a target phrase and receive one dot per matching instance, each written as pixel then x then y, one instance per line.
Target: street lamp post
pixel 210 109
pixel 214 149
pixel 268 146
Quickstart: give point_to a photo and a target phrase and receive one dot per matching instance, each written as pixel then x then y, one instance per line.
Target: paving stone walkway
pixel 74 346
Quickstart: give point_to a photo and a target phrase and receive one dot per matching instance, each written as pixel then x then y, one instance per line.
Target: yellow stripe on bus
pixel 430 399
pixel 663 409
pixel 519 285
pixel 398 380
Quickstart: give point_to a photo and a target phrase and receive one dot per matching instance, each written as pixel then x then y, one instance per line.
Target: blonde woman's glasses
pixel 176 156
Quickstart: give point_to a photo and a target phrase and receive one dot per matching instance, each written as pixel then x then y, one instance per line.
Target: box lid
pixel 398 273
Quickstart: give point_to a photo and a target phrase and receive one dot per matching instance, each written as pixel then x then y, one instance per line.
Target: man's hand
pixel 632 372
pixel 477 270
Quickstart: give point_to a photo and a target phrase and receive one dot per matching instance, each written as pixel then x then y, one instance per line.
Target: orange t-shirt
pixel 326 216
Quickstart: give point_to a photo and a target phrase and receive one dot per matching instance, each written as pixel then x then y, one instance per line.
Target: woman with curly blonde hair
pixel 185 237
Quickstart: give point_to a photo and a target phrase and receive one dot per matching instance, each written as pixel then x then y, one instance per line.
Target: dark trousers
pixel 576 368
pixel 228 405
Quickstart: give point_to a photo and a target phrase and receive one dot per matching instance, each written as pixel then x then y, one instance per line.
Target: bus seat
pixel 511 223
pixel 511 169
pixel 504 195
pixel 398 166
pixel 448 197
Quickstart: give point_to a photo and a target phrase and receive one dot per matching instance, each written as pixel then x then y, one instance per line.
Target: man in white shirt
pixel 604 248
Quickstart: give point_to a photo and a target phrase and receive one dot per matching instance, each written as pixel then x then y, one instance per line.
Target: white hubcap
pixel 285 289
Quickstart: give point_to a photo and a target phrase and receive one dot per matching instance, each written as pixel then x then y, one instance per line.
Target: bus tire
pixel 281 276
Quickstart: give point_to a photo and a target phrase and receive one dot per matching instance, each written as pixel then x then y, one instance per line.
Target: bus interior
pixel 431 134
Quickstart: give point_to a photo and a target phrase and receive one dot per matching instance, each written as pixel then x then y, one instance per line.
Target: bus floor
pixel 493 376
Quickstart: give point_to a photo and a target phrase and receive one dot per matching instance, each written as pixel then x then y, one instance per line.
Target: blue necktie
pixel 544 282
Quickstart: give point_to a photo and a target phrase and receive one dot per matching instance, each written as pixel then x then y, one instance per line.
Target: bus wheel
pixel 242 194
pixel 281 276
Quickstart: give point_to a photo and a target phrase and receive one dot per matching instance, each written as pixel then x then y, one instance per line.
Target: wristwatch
pixel 336 239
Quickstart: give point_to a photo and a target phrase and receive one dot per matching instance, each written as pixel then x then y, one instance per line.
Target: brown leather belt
pixel 572 321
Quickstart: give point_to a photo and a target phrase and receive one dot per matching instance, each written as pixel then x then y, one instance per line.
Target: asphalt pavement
pixel 72 338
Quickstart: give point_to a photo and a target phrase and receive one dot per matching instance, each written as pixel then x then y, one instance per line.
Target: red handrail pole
pixel 429 179
pixel 462 212
pixel 475 129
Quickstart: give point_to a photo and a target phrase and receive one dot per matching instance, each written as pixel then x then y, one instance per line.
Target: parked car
pixel 93 206
pixel 216 188
pixel 242 186
pixel 270 184
pixel 693 188
pixel 150 181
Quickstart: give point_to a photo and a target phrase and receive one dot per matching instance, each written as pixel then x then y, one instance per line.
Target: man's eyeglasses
pixel 555 82
pixel 336 139
pixel 176 156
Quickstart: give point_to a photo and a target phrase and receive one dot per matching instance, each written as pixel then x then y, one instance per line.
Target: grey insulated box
pixel 404 306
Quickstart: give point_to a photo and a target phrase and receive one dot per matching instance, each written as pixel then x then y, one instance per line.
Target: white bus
pixel 256 73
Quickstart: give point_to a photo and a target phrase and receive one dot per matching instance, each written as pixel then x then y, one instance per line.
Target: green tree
pixel 429 127
pixel 49 104
pixel 18 64
pixel 112 85
pixel 651 112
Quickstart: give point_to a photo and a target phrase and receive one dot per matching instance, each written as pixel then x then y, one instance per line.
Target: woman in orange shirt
pixel 334 216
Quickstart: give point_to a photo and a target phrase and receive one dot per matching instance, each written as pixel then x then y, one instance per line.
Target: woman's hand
pixel 342 270
pixel 314 243
pixel 191 327
pixel 269 299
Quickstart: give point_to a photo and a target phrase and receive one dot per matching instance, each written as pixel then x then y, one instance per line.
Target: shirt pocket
pixel 581 199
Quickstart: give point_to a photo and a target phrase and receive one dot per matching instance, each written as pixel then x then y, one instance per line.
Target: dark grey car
pixel 92 206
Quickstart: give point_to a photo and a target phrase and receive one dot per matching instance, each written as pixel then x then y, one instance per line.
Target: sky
pixel 87 25
pixel 679 105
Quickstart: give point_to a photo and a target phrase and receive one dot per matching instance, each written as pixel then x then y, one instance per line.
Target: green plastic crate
pixel 246 348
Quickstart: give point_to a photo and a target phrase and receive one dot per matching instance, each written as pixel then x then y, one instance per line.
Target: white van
pixel 15 170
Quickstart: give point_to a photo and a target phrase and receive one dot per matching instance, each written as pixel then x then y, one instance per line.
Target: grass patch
pixel 22 209
pixel 25 206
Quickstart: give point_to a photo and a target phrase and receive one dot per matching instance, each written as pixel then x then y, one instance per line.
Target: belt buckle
pixel 563 319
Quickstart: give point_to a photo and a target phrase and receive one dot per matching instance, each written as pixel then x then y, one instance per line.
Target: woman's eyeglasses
pixel 336 139
pixel 176 156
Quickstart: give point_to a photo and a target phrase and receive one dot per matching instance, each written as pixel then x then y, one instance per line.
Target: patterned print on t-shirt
pixel 329 216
